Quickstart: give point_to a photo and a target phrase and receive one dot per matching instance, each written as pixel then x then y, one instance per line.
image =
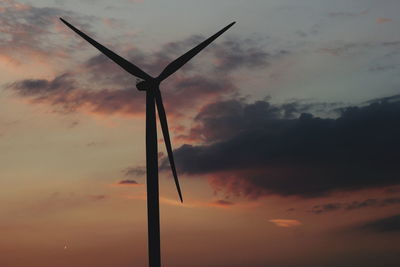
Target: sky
pixel 285 133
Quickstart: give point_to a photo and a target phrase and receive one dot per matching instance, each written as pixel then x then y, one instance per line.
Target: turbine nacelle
pixel 143 85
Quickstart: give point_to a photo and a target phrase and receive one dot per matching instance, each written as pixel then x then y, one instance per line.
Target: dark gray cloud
pixel 385 225
pixel 41 87
pixel 371 202
pixel 62 93
pixel 222 120
pixel 257 149
pixel 318 209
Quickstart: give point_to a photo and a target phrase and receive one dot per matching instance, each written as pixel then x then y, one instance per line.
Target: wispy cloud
pixel 137 171
pixel 347 14
pixel 61 202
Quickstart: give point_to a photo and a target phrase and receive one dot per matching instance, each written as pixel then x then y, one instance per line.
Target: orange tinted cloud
pixel 9 61
pixel 286 223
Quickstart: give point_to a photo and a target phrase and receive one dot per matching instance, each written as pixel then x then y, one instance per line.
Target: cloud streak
pixel 371 202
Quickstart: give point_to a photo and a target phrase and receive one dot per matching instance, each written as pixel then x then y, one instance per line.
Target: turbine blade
pixel 123 63
pixel 167 140
pixel 182 60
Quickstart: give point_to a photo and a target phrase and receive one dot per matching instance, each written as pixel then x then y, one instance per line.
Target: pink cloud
pixel 383 20
pixel 112 23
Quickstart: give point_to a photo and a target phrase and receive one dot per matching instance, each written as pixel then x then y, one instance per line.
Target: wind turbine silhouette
pixel 153 97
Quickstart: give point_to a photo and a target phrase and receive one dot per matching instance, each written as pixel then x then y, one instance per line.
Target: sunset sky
pixel 285 132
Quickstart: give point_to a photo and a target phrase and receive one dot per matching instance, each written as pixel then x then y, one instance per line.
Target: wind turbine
pixel 153 98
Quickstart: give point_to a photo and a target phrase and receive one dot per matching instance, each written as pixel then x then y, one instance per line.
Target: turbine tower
pixel 153 98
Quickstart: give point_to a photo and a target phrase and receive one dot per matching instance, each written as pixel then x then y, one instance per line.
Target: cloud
pixel 383 20
pixel 285 223
pixel 224 119
pixel 127 182
pixel 384 225
pixel 259 149
pixel 371 202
